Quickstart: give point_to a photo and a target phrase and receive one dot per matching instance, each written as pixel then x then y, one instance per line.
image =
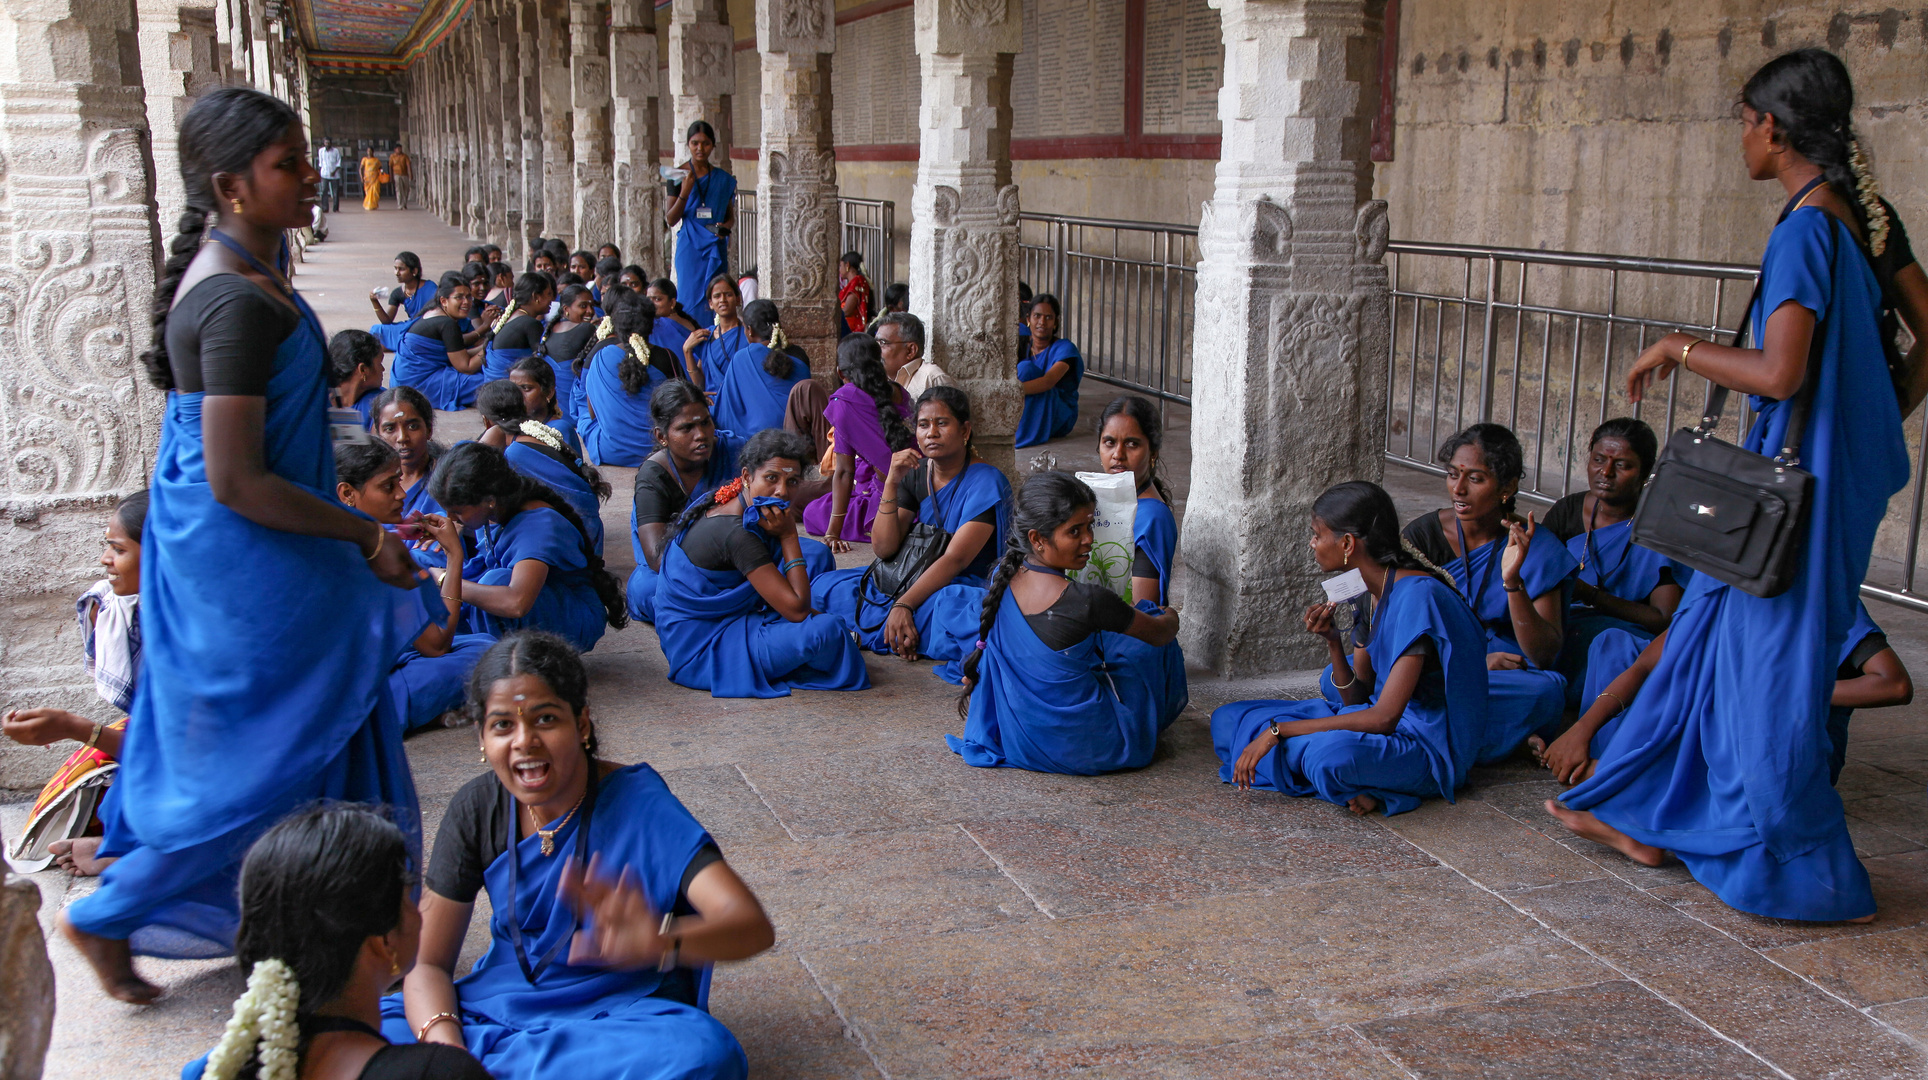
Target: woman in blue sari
pixel 1723 757
pixel 533 565
pixel 670 316
pixel 405 420
pixel 936 483
pixel 355 373
pixel 616 374
pixel 1066 677
pixel 537 381
pixel 573 328
pixel 1515 575
pixel 733 609
pixel 517 333
pixel 1412 708
pixel 702 213
pixel 244 478
pixel 536 450
pixel 755 388
pixel 690 462
pixel 610 902
pixel 436 356
pixel 410 297
pixel 707 350
pixel 1049 373
pixel 1129 438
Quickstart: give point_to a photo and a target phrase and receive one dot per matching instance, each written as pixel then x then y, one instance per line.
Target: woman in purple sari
pixel 868 413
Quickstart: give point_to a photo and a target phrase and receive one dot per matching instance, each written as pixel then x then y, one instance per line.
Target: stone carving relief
pixel 1371 232
pixel 1269 226
pixel 802 19
pixel 944 204
pixel 593 211
pixel 980 13
pixel 707 59
pixel 116 169
pixel 807 219
pixel 1007 205
pixel 971 297
pixel 1315 343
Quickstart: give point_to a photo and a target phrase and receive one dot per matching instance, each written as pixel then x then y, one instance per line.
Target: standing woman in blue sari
pixel 1723 757
pixel 1412 707
pixel 236 721
pixel 1515 575
pixel 1129 438
pixel 1049 373
pixel 755 387
pixel 519 331
pixel 534 566
pixel 437 356
pixel 707 349
pixel 1075 680
pixel 616 374
pixel 408 299
pixel 702 213
pixel 609 901
pixel 536 450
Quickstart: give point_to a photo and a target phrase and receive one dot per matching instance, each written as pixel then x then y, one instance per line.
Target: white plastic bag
pixel 1112 548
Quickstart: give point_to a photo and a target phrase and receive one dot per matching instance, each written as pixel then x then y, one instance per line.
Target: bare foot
pixel 1585 824
pixel 1862 921
pixel 1362 804
pixel 77 856
pixel 454 718
pixel 113 964
pixel 1538 746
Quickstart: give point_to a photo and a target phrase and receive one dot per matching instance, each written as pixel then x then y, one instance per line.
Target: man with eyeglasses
pixel 900 335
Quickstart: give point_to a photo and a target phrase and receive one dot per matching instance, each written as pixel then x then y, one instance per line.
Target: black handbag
pixel 894 576
pixel 1731 513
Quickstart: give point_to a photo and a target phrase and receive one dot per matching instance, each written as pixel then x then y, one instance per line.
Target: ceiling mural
pixel 375 35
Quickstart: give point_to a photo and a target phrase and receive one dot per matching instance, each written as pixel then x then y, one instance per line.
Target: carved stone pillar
pixel 796 173
pixel 1292 320
pixel 26 980
pixel 633 124
pixel 177 62
pixel 78 421
pixel 702 73
pixel 508 95
pixel 558 124
pixel 529 104
pixel 490 176
pixel 475 151
pixel 589 92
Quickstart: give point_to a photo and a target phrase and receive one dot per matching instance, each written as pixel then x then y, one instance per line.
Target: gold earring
pixel 236 203
pixel 484 759
pixel 395 966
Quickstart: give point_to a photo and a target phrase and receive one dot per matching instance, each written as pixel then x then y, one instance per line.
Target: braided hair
pixel 861 362
pixel 1145 415
pixel 630 316
pixel 766 445
pixel 760 323
pixel 532 652
pixel 1362 509
pixel 222 133
pixel 472 473
pixel 1043 503
pixel 1811 98
pixel 501 404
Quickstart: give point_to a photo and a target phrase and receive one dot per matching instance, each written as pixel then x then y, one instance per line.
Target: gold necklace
pixel 549 835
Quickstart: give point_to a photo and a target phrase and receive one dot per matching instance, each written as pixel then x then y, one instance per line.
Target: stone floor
pixel 940 921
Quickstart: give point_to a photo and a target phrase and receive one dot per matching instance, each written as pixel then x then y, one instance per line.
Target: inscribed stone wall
pixel 1070 78
pixel 874 84
pixel 1184 64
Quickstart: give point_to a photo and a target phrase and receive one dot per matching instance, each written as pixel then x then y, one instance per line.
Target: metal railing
pixel 1129 290
pixel 868 226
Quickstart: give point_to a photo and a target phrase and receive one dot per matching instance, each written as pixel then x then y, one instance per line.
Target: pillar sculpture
pixel 589 90
pixel 702 73
pixel 529 103
pixel 964 209
pixel 558 124
pixel 490 176
pixel 77 417
pixel 1288 375
pixel 633 126
pixel 796 173
pixel 177 62
pixel 509 99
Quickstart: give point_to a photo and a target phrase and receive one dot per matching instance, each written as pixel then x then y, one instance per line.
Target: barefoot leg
pixel 1585 824
pixel 1362 804
pixel 1538 746
pixel 77 857
pixel 113 964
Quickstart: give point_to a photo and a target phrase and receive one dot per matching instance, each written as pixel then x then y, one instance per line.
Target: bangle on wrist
pixel 381 537
pixel 1520 588
pixel 1615 697
pixel 421 1033
pixel 95 737
pixel 1688 348
pixel 1337 685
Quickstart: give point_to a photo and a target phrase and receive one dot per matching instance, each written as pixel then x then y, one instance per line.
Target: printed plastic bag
pixel 1112 549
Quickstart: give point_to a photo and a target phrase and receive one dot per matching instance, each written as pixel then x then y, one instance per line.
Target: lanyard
pixel 1036 569
pixel 277 277
pixel 513 919
pixel 1593 555
pixel 1466 557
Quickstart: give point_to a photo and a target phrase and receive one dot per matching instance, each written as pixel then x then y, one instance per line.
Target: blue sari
pixel 1618 567
pixel 669 334
pixel 497 362
pixel 615 424
pixel 568 605
pixel 299 646
pixel 565 426
pixel 719 635
pixel 1723 758
pixel 714 355
pixel 423 363
pixel 1438 736
pixel 417 500
pixel 948 620
pixel 748 398
pixel 1519 703
pixel 1050 414
pixel 1154 531
pixel 1096 707
pixel 567 483
pixel 365 405
pixel 641 588
pixel 700 253
pixel 390 334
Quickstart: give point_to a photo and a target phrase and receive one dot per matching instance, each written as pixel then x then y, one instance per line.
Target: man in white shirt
pixel 328 163
pixel 901 337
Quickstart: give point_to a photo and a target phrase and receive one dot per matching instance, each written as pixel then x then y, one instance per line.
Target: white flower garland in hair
pixel 263 1026
pixel 778 342
pixel 543 433
pixel 639 348
pixel 504 320
pixel 606 328
pixel 1870 196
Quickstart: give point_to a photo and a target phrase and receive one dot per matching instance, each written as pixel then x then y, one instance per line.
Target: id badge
pixel 345 426
pixel 703 213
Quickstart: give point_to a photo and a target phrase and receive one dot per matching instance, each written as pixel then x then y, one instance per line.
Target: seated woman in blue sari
pixel 1412 707
pixel 436 356
pixel 533 566
pixel 1065 677
pixel 936 483
pixel 537 381
pixel 1514 574
pixel 867 415
pixel 355 373
pixel 1723 758
pixel 572 329
pixel 536 450
pixel 517 333
pixel 1049 373
pixel 703 212
pixel 755 387
pixel 428 677
pixel 406 301
pixel 406 421
pixel 669 310
pixel 707 350
pixel 733 600
pixel 616 374
pixel 1129 438
pixel 610 902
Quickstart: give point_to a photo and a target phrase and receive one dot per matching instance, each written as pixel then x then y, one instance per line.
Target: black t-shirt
pixel 399 296
pixel 523 332
pixel 1083 610
pixel 568 344
pixel 1895 255
pixel 223 335
pixel 1566 518
pixel 443 327
pixel 423 1061
pixel 722 543
pixel 659 498
pixel 915 487
pixel 1426 535
pixel 1864 651
pixel 1142 565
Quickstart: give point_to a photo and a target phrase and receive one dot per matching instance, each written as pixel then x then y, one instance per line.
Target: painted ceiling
pixel 375 35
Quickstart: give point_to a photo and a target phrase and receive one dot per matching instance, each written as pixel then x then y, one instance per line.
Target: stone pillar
pixel 633 126
pixel 508 95
pixel 589 93
pixel 964 209
pixel 796 173
pixel 26 981
pixel 529 104
pixel 77 417
pixel 1293 316
pixel 177 62
pixel 475 133
pixel 702 73
pixel 558 124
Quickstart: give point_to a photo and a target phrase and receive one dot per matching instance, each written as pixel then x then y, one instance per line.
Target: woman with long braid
pixel 870 415
pixel 753 389
pixel 519 330
pixel 537 451
pixel 616 373
pixel 1074 680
